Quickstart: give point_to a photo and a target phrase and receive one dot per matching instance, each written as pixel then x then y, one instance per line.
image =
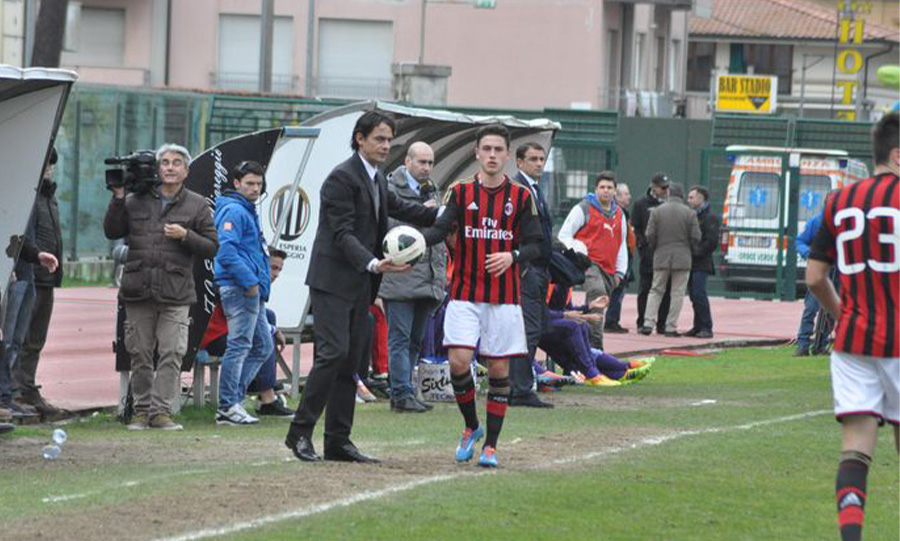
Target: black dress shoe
pixel 692 332
pixel 407 404
pixel 704 334
pixel 530 400
pixel 302 448
pixel 615 328
pixel 349 453
pixel 673 334
pixel 424 404
pixel 646 331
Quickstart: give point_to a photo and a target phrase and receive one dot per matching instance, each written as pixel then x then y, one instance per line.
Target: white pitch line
pixel 315 509
pixel 124 484
pixel 373 495
pixel 658 440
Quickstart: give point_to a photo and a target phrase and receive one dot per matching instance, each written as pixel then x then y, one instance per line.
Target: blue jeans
pixel 267 376
pixel 15 327
pixel 249 343
pixel 807 321
pixel 406 328
pixel 700 301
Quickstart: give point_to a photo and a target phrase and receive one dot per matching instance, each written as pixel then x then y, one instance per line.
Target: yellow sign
pixel 756 94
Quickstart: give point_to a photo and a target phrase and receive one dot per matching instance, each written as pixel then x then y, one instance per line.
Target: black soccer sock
pixel 497 401
pixel 464 389
pixel 850 493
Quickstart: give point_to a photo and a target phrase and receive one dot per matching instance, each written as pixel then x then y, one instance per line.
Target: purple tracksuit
pixel 568 343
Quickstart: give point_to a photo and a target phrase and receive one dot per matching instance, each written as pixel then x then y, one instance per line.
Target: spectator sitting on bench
pixel 567 342
pixel 216 337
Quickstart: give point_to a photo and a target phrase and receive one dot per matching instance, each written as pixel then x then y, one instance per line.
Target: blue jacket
pixel 241 259
pixel 805 239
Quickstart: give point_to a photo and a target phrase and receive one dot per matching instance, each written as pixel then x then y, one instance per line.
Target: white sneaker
pixel 236 415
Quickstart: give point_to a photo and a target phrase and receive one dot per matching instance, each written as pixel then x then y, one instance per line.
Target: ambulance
pixel 756 207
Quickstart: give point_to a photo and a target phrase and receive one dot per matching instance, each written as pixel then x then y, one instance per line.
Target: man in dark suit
pixel 344 274
pixel 530 159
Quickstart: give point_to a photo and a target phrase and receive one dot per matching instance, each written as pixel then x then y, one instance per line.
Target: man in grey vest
pixel 411 297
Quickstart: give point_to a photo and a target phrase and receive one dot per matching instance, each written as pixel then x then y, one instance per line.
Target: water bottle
pixel 51 452
pixel 60 437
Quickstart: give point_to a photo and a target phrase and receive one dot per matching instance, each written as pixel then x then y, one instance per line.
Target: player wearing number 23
pixel 859 234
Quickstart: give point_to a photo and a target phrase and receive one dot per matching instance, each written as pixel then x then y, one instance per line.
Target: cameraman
pixel 167 227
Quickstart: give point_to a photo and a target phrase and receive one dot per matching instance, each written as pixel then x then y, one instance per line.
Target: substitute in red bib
pixel 497 229
pixel 859 235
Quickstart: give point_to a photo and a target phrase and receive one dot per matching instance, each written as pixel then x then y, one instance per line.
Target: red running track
pixel 77 366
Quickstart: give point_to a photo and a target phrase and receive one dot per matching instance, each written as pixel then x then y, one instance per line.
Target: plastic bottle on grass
pixel 59 436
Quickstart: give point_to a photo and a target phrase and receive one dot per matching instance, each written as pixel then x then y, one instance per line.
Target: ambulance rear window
pixel 813 191
pixel 758 195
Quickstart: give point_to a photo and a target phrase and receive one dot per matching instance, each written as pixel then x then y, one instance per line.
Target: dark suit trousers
pixel 340 330
pixel 534 312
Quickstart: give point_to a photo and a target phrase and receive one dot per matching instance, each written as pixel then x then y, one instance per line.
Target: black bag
pixel 567 267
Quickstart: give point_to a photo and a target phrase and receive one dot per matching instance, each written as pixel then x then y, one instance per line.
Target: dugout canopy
pixel 299 159
pixel 31 106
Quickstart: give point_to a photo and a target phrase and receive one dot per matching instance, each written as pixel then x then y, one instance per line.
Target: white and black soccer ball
pixel 404 245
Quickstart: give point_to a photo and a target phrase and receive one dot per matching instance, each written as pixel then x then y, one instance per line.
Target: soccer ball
pixel 404 245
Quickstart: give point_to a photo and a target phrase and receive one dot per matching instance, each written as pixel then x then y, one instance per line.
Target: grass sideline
pixel 772 481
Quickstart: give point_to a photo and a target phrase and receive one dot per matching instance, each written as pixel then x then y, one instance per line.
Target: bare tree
pixel 48 33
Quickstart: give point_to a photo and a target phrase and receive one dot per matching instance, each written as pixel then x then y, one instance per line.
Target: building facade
pixel 799 41
pixel 627 54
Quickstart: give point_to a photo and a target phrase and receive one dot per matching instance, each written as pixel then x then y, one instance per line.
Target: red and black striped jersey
pixel 488 221
pixel 860 235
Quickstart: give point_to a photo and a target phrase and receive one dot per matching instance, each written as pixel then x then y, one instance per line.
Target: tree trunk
pixel 48 33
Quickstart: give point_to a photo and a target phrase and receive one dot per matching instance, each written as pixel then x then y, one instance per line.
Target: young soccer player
pixel 860 235
pixel 497 229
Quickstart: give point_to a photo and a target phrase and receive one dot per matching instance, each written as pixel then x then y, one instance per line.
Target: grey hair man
pixel 411 297
pixel 168 227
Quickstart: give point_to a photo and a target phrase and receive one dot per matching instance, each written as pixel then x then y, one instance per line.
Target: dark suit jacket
pixel 350 233
pixel 546 224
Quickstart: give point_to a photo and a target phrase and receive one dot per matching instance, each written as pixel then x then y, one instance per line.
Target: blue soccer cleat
pixel 488 457
pixel 466 448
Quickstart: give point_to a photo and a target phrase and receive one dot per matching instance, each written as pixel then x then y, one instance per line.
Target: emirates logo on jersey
pixel 487 231
pixel 508 208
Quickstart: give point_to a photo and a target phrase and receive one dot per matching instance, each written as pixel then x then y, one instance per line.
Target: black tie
pixel 376 194
pixel 542 205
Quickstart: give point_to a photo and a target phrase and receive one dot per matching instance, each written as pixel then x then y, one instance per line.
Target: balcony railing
pixel 231 80
pixel 354 87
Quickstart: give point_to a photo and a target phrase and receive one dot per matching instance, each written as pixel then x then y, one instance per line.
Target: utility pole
pixel 310 47
pixel 422 34
pixel 266 28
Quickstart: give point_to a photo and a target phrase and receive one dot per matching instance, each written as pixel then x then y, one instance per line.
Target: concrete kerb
pixel 721 344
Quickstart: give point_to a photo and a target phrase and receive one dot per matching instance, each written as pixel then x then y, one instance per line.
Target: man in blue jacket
pixel 242 274
pixel 810 304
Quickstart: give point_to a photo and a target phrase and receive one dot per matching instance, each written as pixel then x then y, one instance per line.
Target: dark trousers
pixel 644 285
pixel 341 328
pixel 27 361
pixel 700 301
pixel 535 314
pixel 614 310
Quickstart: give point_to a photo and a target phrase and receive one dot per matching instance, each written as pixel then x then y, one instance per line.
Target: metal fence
pixel 758 258
pixel 102 121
